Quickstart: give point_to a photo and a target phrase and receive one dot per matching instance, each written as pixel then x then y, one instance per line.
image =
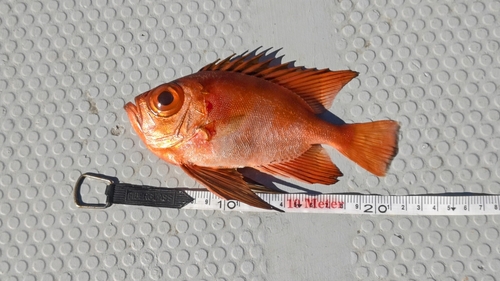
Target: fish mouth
pixel 134 116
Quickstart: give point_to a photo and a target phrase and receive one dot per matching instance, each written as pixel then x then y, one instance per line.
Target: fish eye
pixel 166 100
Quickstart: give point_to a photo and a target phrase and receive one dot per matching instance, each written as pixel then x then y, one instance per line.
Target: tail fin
pixel 371 145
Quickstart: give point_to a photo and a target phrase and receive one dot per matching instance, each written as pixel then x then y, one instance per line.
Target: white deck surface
pixel 68 67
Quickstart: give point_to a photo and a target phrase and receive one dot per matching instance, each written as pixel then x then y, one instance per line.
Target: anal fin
pixel 228 184
pixel 314 166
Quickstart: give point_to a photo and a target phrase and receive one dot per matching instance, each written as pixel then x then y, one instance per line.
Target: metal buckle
pixel 77 196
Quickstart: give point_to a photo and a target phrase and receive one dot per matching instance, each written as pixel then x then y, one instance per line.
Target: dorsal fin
pixel 318 87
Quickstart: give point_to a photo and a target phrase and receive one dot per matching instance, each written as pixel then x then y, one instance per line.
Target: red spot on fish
pixel 209 106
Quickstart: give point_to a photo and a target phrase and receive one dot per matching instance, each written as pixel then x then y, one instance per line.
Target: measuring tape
pixel 123 193
pixel 357 204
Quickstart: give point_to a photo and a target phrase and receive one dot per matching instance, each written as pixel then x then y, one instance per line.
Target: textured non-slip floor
pixel 68 67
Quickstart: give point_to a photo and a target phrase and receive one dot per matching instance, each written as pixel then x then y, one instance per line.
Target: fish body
pixel 245 113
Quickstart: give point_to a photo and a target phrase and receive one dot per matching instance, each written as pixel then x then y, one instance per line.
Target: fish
pixel 249 111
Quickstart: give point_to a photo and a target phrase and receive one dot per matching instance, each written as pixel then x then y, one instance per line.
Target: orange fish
pixel 245 112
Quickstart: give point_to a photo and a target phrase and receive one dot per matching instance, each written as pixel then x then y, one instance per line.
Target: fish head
pixel 169 114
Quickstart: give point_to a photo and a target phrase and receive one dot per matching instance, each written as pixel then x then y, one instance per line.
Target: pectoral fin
pixel 314 166
pixel 228 184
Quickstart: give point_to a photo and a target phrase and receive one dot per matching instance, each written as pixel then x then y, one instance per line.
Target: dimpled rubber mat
pixel 67 68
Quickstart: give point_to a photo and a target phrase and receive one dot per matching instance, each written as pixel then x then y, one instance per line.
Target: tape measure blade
pixel 357 204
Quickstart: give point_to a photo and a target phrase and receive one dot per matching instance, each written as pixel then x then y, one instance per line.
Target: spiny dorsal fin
pixel 318 87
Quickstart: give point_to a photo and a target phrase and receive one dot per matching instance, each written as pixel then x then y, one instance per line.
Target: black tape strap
pixel 143 195
pixel 131 194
